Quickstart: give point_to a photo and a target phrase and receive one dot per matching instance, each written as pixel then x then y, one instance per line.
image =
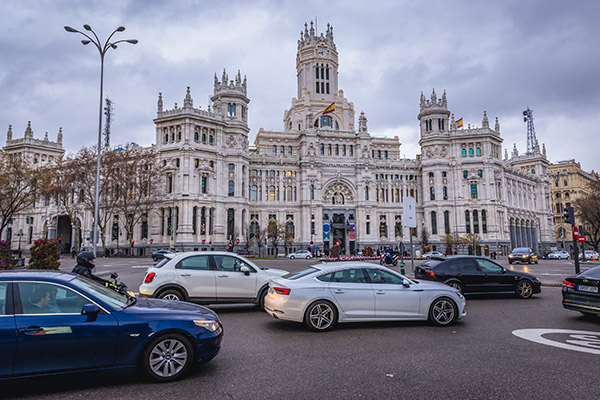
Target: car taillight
pixel 284 291
pixel 150 277
pixel 569 284
pixel 429 272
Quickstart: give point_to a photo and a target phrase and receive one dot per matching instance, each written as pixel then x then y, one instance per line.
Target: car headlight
pixel 211 326
pixel 510 256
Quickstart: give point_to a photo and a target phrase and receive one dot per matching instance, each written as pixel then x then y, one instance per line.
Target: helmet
pixel 86 259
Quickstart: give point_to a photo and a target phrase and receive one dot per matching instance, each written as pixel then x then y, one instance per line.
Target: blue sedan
pixel 55 322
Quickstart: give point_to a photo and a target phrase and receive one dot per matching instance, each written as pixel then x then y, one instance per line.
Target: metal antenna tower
pixel 532 142
pixel 109 113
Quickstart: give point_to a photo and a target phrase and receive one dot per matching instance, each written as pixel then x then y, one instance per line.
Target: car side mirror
pixel 405 283
pixel 245 270
pixel 91 310
pixel 114 275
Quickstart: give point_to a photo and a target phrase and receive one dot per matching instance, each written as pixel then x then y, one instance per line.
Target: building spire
pixel 497 126
pixel 188 102
pixel 485 123
pixel 28 131
pixel 9 134
pixel 160 102
pixel 532 141
pixel 59 138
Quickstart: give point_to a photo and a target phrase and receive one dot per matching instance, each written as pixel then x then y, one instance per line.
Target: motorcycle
pixel 389 259
pixel 119 287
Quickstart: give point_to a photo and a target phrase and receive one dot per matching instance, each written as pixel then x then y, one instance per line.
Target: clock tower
pixel 317 64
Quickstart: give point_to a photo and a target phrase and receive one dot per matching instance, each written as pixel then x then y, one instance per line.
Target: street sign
pixel 203 241
pixel 151 241
pixel 410 212
pixel 311 242
pixel 575 232
pixel 352 235
pixel 337 243
pixel 230 245
pixel 237 241
pixel 581 239
pixel 326 232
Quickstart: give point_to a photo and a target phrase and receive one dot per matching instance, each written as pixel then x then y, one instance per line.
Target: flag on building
pixel 329 109
pixel 459 123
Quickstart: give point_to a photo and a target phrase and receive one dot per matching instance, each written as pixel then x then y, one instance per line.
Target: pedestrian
pixel 73 252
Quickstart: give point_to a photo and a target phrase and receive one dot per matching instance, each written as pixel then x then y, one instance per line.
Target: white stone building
pixel 329 179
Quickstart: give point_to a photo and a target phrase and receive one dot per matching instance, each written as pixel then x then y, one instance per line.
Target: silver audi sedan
pixel 325 294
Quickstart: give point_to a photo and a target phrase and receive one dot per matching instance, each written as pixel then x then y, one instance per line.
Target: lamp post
pixel 102 49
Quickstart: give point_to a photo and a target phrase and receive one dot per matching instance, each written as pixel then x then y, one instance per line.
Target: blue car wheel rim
pixel 168 358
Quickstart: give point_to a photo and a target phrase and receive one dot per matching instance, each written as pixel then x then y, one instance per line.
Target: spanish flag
pixel 329 109
pixel 459 123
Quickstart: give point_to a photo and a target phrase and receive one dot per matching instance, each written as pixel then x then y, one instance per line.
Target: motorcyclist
pixel 85 263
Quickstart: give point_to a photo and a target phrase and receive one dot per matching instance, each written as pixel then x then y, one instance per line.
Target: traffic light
pixel 569 215
pixel 132 242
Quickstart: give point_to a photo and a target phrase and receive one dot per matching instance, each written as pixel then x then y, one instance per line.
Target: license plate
pixel 584 288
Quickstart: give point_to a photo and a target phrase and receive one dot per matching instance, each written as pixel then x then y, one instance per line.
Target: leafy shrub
pixel 5 255
pixel 44 254
pixel 368 251
pixel 426 249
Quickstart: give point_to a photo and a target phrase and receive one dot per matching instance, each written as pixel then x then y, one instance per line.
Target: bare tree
pixel 287 237
pixel 260 238
pixel 134 188
pixel 20 184
pixel 588 210
pixel 274 235
pixel 424 238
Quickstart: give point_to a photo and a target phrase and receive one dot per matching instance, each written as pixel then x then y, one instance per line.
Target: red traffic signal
pixel 237 241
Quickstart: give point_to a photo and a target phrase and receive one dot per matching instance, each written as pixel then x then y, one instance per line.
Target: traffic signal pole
pixel 569 217
pixel 576 254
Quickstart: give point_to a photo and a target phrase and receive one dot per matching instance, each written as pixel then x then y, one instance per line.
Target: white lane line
pixel 140 266
pixel 583 341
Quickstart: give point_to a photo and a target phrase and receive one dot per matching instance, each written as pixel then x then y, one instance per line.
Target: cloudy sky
pixel 498 56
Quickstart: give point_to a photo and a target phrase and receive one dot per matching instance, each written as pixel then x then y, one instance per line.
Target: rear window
pixel 299 274
pixel 592 272
pixel 432 263
pixel 162 262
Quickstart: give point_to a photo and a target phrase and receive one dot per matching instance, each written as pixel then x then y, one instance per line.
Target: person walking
pixel 73 252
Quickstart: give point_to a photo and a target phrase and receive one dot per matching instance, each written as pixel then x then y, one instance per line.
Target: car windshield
pixel 299 274
pixel 521 250
pixel 105 294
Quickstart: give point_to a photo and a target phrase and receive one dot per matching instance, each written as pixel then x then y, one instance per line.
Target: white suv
pixel 208 277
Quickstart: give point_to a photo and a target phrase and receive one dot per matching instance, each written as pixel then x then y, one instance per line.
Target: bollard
pixel 402 270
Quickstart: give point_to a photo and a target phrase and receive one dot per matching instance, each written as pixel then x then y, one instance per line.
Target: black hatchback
pixel 581 292
pixel 478 275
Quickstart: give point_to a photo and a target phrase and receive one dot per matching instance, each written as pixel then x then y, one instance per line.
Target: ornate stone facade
pixel 330 180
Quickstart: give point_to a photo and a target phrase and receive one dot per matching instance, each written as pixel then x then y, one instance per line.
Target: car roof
pixel 36 275
pixel 201 253
pixel 336 265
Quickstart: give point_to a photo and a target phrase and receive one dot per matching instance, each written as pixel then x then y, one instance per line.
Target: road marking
pixel 140 266
pixel 583 341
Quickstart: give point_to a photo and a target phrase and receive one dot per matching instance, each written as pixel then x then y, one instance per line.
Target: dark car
pixel 160 254
pixel 472 275
pixel 522 255
pixel 581 292
pixel 54 322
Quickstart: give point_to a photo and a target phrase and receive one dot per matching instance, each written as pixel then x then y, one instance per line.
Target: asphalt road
pixel 478 357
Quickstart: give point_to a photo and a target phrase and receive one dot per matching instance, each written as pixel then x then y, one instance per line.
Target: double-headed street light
pixel 102 49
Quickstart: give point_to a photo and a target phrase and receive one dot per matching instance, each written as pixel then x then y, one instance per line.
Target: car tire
pixel 261 299
pixel 395 263
pixel 456 285
pixel 171 294
pixel 524 289
pixel 168 358
pixel 308 257
pixel 321 316
pixel 588 315
pixel 510 262
pixel 154 259
pixel 292 257
pixel 443 311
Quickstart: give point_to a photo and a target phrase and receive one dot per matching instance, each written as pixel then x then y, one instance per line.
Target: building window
pixel 480 173
pixel 211 139
pixel 447 222
pixel 204 185
pixel 444 174
pixel 433 223
pixel 431 193
pixel 440 124
pixel 326 121
pixel 483 221
pixel 445 192
pixel 337 149
pixel 431 174
pixel 312 192
pixel 366 193
pixel 203 221
pixel 329 150
pixel 471 151
pixel 196 136
pixel 194 217
pixel 351 150
pixel 169 183
pixel 230 223
pixel 382 226
pixel 463 152
pixel 231 167
pixel 322 149
pixel 231 189
pixel 473 191
pixel 465 174
pixel 478 151
pixel 253 193
pixel 368 228
pixel 468 221
pixel 475 221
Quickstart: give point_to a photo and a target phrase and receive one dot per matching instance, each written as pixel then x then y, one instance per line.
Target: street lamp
pixel 102 49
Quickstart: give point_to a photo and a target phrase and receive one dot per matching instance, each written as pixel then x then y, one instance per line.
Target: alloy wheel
pixel 168 358
pixel 443 312
pixel 321 316
pixel 524 289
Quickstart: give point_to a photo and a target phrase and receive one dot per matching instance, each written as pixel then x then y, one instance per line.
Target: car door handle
pixel 380 291
pixel 223 276
pixel 30 330
pixel 186 274
pixel 339 291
